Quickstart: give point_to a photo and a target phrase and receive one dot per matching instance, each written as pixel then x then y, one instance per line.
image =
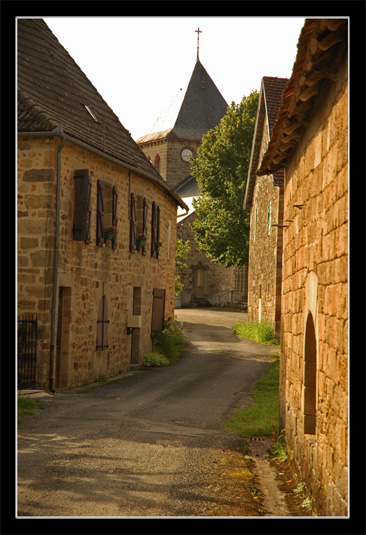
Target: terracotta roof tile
pixel 322 44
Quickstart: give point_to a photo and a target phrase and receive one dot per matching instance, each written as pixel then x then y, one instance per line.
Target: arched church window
pixel 157 162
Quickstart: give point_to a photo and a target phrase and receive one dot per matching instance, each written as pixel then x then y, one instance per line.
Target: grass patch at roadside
pixel 260 417
pixel 261 332
pixel 27 406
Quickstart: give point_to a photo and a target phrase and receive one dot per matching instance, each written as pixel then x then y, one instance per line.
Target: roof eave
pixel 312 66
pixel 254 155
pixel 58 132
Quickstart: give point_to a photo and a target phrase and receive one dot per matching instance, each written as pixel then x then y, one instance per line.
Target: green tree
pixel 221 168
pixel 182 251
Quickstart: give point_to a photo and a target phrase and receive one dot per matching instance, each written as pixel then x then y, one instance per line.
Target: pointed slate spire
pixel 202 108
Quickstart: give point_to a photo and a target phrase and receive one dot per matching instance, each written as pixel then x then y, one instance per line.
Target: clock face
pixel 185 154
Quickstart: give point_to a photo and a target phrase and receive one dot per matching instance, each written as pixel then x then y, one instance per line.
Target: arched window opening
pixel 310 377
pixel 157 163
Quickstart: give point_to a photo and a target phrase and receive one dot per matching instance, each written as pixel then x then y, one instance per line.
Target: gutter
pixel 97 152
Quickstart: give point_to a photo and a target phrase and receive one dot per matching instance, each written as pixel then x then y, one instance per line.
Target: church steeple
pixel 191 116
pixel 202 108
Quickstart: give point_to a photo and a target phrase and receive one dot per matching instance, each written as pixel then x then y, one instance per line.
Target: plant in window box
pixel 141 239
pixel 109 232
pixel 157 245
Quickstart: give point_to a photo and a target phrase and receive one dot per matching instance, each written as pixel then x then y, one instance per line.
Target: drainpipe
pixel 56 132
pixel 55 267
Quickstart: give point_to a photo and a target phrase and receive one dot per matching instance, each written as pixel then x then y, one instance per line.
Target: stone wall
pixel 265 249
pixel 156 151
pixel 206 282
pixel 178 170
pixel 87 272
pixel 173 169
pixel 314 338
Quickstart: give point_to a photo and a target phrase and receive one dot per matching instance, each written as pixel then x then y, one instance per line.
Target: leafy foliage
pixel 171 340
pixel 182 250
pixel 155 360
pixel 221 168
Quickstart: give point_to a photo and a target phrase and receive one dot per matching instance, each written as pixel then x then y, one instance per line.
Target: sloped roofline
pixel 54 91
pixel 188 124
pixel 322 45
pixel 266 109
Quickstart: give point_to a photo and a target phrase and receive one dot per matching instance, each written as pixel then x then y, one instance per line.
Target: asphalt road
pixel 141 446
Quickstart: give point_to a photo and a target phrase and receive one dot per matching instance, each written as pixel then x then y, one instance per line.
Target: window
pixel 310 377
pixel 157 163
pixel 269 219
pixel 155 230
pixel 139 210
pixel 240 277
pixel 107 199
pixel 82 205
pixel 102 324
pixel 198 278
pixel 92 113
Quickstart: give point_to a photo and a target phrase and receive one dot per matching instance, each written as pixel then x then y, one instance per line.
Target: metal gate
pixel 27 350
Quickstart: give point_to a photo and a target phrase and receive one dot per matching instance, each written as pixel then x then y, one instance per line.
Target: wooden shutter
pixel 100 213
pixel 114 216
pixel 157 229
pixel 82 205
pixel 158 310
pixel 144 223
pixel 102 324
pixel 133 222
pixel 153 228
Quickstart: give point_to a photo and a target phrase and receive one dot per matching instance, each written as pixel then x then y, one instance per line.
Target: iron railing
pixel 27 350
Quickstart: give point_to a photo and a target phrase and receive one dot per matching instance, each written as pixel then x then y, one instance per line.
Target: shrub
pixel 155 360
pixel 171 340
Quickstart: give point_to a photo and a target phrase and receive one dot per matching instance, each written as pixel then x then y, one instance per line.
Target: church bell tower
pixel 177 135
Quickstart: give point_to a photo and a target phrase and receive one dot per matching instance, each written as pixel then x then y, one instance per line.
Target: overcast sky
pixel 138 64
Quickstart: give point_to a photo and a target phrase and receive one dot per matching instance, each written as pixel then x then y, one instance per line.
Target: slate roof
pixel 322 44
pixel 189 188
pixel 202 109
pixel 269 104
pixel 52 89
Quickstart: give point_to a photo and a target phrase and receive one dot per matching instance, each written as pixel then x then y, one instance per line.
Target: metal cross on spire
pixel 198 42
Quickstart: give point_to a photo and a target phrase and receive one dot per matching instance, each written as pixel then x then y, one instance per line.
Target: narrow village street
pixel 153 443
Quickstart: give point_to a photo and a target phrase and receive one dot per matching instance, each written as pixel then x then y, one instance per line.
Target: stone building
pixel 310 141
pixel 264 198
pixel 175 137
pixel 85 194
pixel 206 282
